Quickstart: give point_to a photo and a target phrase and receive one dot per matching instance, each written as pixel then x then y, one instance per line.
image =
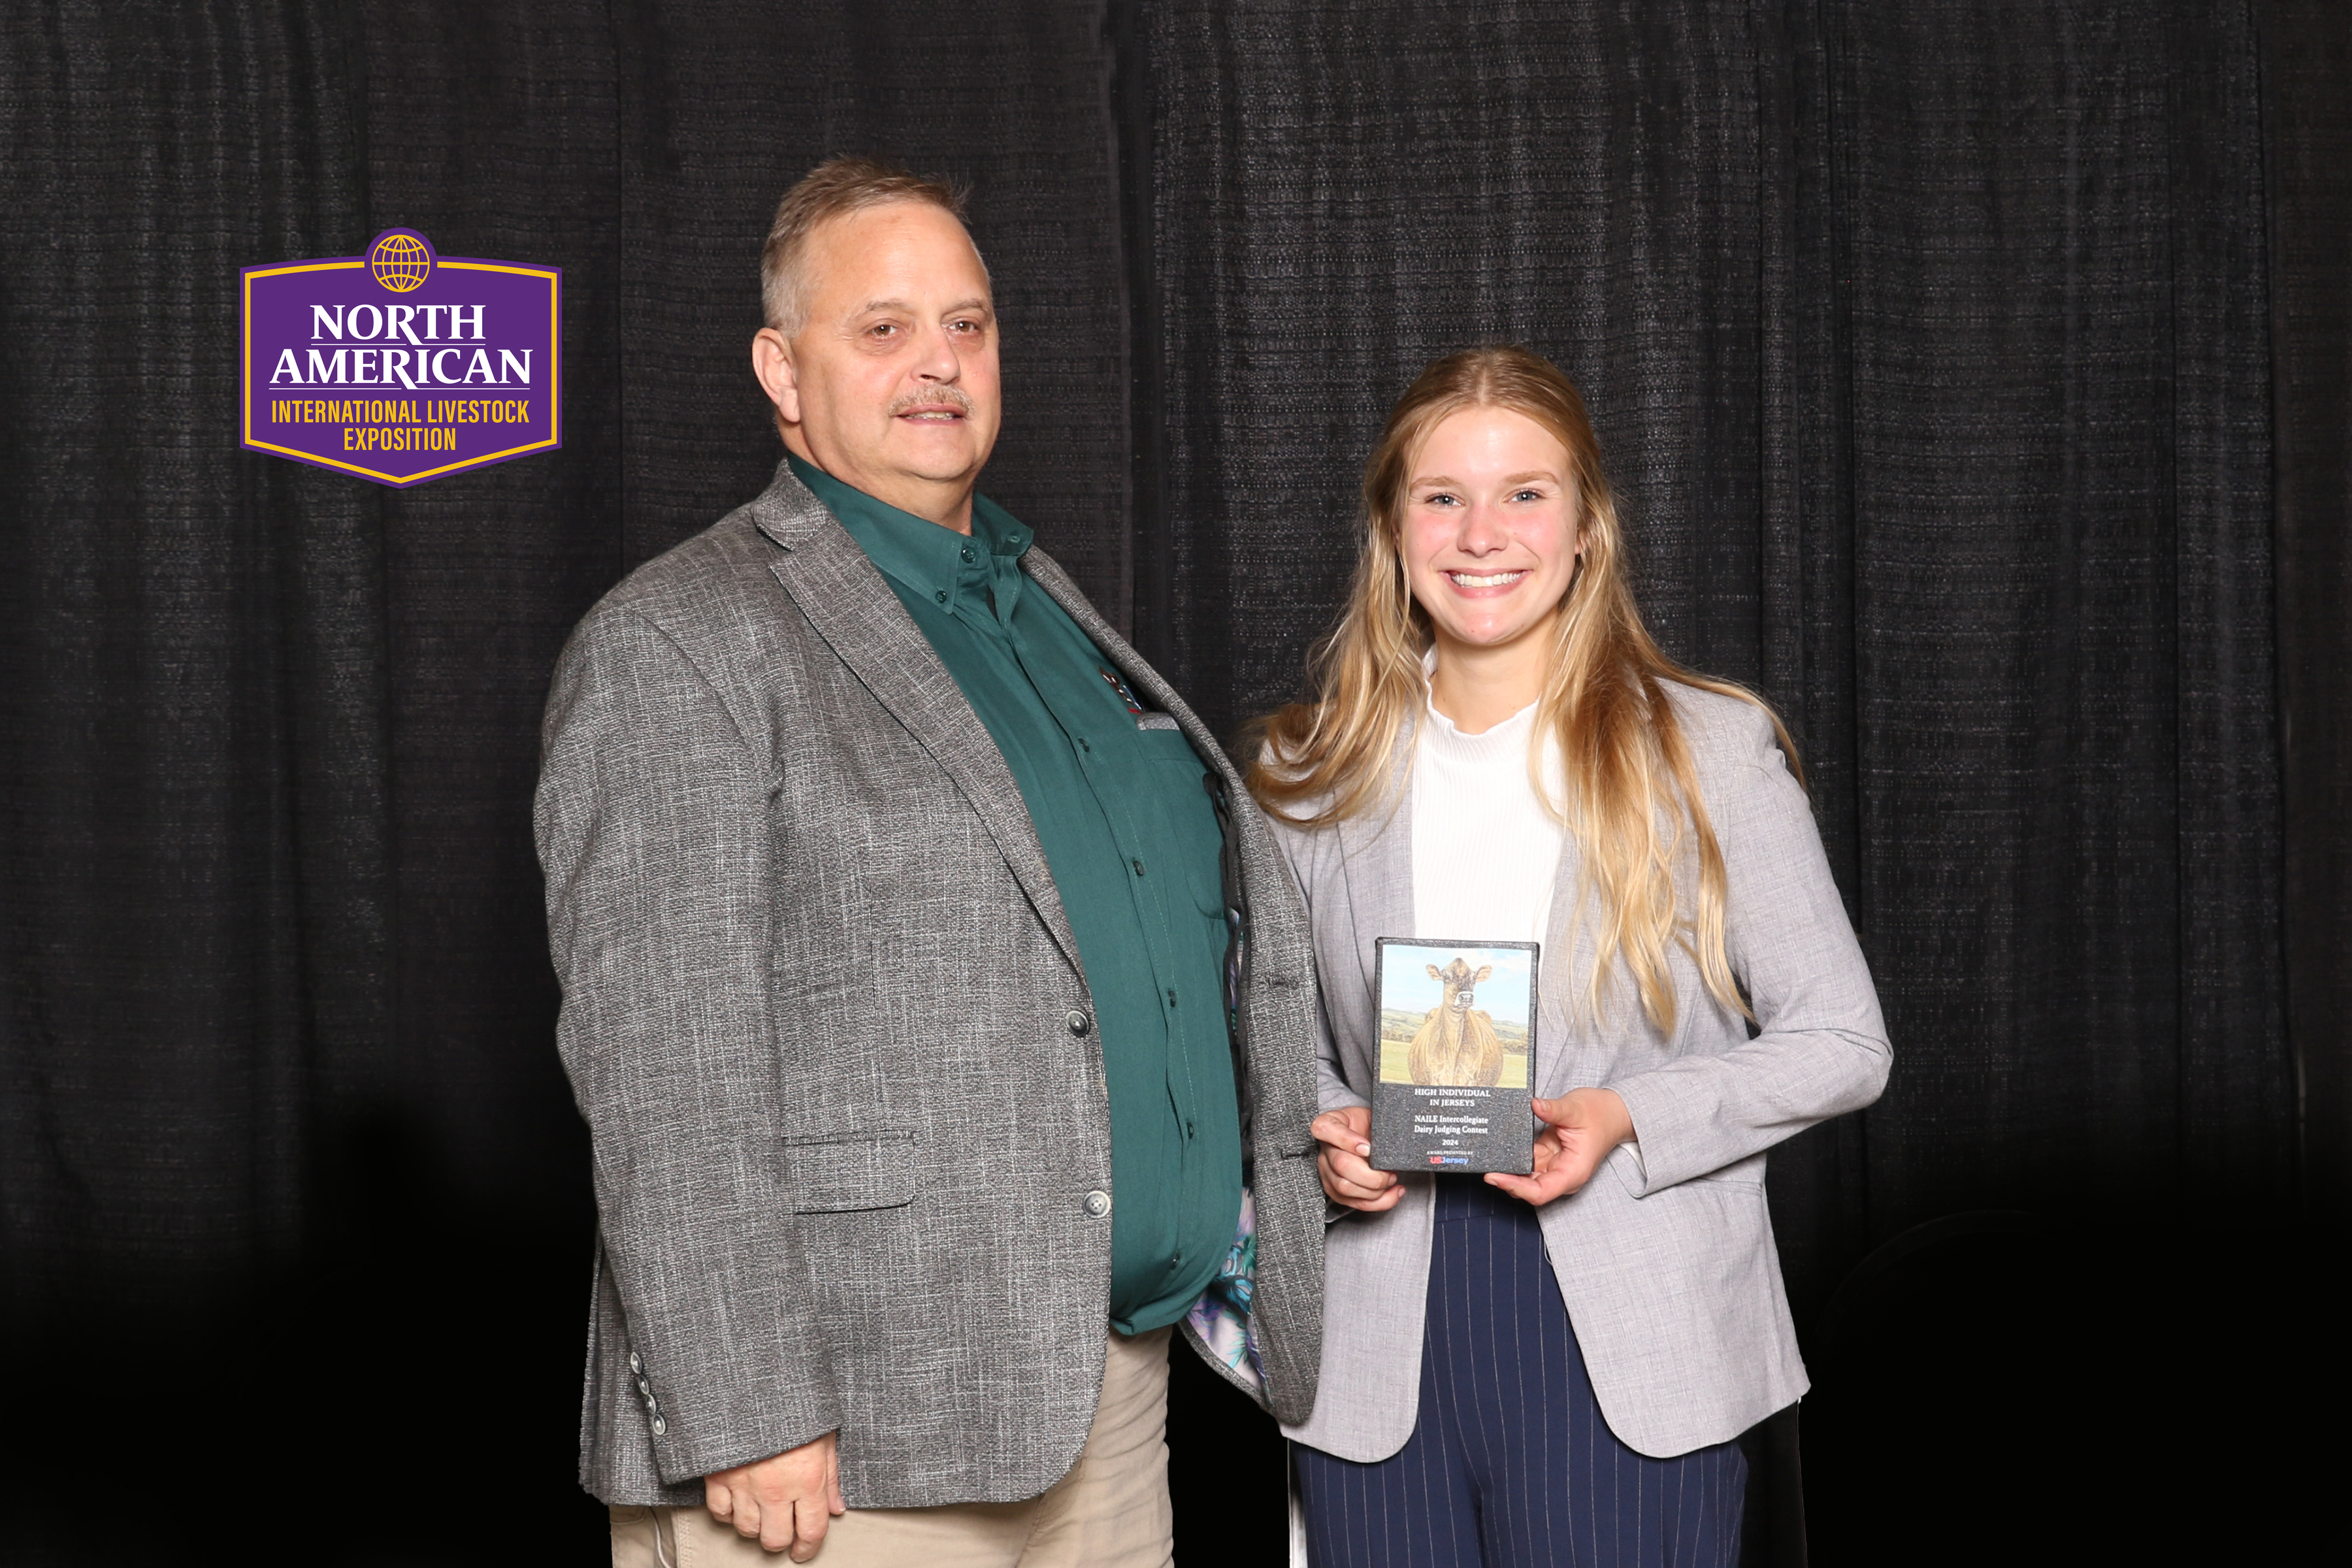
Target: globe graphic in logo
pixel 400 262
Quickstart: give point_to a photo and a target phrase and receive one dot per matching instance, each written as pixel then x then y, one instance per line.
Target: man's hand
pixel 1580 1128
pixel 786 1501
pixel 1345 1136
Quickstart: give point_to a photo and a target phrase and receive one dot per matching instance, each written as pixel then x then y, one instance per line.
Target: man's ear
pixel 771 363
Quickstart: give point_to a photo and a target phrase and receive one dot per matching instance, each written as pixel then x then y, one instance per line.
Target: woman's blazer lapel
pixel 1376 865
pixel 1564 1055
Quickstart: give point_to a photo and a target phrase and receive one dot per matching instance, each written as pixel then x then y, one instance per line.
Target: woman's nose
pixel 1483 532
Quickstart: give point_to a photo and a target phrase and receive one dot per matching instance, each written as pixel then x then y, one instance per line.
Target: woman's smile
pixel 1472 580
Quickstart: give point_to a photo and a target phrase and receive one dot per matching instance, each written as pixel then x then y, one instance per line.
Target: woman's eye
pixel 1528 495
pixel 1439 499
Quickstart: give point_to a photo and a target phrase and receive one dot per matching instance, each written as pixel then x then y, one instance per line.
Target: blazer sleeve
pixel 652 826
pixel 1821 1049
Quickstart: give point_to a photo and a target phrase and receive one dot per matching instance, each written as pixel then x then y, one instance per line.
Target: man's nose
pixel 936 359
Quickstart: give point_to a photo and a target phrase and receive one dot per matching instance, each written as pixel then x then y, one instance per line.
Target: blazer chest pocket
pixel 853 1171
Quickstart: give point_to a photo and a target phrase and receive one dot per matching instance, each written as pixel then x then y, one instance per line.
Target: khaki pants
pixel 1110 1511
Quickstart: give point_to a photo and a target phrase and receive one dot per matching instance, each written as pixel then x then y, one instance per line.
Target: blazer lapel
pixel 1376 861
pixel 845 599
pixel 1567 949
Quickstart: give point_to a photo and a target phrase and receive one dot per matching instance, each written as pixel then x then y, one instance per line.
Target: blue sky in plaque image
pixel 1405 983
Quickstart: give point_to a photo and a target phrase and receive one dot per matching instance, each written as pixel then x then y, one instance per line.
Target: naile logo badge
pixel 403 366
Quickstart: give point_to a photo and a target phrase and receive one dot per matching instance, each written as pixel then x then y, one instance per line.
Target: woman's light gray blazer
pixel 1665 1257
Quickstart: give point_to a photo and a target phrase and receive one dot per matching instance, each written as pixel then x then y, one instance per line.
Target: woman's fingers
pixel 1349 1130
pixel 1535 1190
pixel 1347 1179
pixel 1369 1202
pixel 1343 1165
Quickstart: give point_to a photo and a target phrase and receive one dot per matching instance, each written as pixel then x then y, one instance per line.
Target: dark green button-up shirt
pixel 1131 839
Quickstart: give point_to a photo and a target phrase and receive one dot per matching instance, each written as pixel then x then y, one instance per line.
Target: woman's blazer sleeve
pixel 1821 1049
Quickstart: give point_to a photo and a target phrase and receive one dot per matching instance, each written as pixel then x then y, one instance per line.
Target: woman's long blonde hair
pixel 1632 793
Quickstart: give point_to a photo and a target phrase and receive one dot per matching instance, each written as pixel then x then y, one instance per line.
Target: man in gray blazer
pixel 930 988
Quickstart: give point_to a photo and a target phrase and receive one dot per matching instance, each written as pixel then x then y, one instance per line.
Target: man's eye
pixel 882 330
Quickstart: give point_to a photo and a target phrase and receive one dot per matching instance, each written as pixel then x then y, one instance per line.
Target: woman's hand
pixel 1345 1136
pixel 1580 1128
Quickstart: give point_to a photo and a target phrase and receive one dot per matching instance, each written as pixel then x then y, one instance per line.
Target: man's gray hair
pixel 840 186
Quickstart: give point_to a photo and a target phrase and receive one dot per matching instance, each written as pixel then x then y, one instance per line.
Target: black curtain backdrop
pixel 1977 379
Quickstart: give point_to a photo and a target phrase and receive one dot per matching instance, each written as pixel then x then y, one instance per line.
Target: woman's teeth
pixel 1492 580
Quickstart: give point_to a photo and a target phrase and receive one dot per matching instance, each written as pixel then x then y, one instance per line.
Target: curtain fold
pixel 2306 59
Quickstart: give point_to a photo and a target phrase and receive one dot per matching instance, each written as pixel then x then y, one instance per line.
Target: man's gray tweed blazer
pixel 1665 1258
pixel 825 1019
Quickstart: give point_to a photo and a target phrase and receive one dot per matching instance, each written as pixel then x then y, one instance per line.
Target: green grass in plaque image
pixel 1464 1008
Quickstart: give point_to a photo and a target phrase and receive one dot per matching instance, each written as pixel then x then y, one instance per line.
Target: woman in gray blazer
pixel 1551 1369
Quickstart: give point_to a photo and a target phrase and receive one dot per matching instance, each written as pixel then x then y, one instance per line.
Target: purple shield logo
pixel 403 366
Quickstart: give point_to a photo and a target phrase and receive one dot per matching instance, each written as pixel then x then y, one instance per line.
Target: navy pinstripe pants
pixel 1510 1463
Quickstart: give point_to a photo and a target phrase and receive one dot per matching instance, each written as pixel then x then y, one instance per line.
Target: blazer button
pixel 1098 1204
pixel 1079 1023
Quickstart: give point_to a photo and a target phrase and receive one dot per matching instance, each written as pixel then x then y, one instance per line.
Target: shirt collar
pixel 936 562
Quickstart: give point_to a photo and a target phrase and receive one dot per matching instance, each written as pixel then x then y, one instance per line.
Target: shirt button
pixel 967 552
pixel 1079 1023
pixel 943 595
pixel 660 1426
pixel 1098 1204
pixel 1138 866
pixel 636 1365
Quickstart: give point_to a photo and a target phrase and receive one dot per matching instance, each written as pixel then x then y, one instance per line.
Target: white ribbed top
pixel 1485 852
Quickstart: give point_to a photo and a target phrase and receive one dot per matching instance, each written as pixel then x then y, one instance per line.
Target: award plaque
pixel 1457 1023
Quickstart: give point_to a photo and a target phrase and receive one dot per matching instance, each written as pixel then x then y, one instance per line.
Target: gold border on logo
pixel 555 355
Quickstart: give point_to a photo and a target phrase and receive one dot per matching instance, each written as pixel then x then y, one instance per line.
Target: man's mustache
pixel 932 398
